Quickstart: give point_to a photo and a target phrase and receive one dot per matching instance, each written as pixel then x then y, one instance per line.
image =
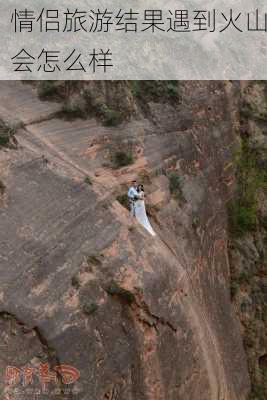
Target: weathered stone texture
pixel 141 318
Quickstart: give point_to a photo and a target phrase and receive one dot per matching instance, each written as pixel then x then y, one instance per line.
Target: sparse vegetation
pixel 107 101
pixel 157 91
pixel 251 179
pixel 243 278
pixel 47 89
pixel 72 111
pixel 172 89
pixel 242 218
pixel 88 180
pixel 94 259
pixel 2 187
pixel 110 117
pixel 7 135
pixel 4 140
pixel 75 281
pixel 233 288
pixel 123 158
pixel 247 215
pixel 248 111
pixel 105 205
pixel 57 90
pixel 89 308
pixel 123 200
pixel 175 184
pixel 115 290
pixel 135 88
pixel 257 392
pixel 195 222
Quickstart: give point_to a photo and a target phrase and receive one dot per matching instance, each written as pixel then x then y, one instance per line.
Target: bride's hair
pixel 140 188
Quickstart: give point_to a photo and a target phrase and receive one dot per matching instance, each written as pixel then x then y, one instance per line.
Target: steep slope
pixel 247 245
pixel 139 317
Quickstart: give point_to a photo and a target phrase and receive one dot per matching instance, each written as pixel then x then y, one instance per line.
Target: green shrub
pixel 111 117
pixel 75 282
pixel 46 89
pixel 108 116
pixel 243 277
pixel 94 260
pixel 251 178
pixel 233 289
pixel 196 222
pixel 72 111
pixel 123 200
pixel 135 88
pixel 2 187
pixel 257 392
pixel 88 180
pixel 115 290
pixel 172 89
pixel 175 184
pixel 242 218
pixel 4 140
pixel 157 91
pixel 105 205
pixel 249 111
pixel 122 158
pixel 7 133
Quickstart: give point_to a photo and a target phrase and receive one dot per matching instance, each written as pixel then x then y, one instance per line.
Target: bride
pixel 140 211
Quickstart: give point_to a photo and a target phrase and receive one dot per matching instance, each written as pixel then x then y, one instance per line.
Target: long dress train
pixel 140 214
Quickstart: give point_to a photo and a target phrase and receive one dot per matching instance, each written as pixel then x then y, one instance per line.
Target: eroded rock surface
pixel 139 317
pixel 248 252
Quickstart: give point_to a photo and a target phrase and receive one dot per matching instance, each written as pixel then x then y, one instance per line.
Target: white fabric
pixel 140 214
pixel 132 193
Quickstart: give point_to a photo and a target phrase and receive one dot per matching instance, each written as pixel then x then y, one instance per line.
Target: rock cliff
pixel 247 244
pixel 82 284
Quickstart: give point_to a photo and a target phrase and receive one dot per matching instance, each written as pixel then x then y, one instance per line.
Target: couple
pixel 136 196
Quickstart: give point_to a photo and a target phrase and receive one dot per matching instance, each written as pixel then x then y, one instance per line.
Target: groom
pixel 133 195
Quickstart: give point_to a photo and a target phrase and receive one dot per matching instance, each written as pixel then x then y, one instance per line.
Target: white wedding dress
pixel 140 214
